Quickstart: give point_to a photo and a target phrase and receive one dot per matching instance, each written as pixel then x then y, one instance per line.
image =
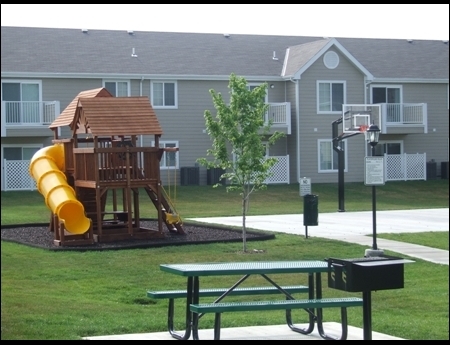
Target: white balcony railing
pixel 29 113
pixel 280 115
pixel 388 115
pixel 404 113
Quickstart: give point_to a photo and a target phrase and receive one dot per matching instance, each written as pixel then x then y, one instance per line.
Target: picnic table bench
pixel 221 293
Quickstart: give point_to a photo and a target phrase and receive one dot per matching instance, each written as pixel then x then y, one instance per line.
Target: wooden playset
pixel 102 158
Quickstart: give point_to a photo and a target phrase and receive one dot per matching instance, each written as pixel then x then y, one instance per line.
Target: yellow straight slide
pixel 46 167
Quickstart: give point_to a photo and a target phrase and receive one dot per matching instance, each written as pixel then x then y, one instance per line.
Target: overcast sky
pixel 367 21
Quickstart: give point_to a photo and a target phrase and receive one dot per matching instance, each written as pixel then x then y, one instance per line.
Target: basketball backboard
pixel 356 118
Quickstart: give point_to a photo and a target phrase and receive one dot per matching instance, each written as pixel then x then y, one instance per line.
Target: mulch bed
pixel 38 235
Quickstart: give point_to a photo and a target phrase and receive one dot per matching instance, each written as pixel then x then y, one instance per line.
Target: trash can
pixel 310 209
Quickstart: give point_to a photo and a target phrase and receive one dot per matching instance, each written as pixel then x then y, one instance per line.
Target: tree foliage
pixel 237 132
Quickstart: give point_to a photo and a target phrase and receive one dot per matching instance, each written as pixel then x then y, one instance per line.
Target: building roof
pixel 106 53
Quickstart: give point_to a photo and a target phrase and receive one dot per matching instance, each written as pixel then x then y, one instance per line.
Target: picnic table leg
pixel 320 315
pixel 195 300
pixel 312 316
pixel 188 328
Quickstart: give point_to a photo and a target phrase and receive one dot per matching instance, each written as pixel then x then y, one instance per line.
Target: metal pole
pixel 367 315
pixel 341 163
pixel 374 212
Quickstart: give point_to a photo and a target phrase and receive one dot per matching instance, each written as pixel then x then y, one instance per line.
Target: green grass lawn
pixel 68 295
pixel 434 239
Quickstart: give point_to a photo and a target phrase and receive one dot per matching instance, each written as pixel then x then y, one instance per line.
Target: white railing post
pixel 3 121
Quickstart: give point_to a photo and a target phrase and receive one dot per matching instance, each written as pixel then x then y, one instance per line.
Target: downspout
pixel 297 118
pixel 141 137
pixel 366 101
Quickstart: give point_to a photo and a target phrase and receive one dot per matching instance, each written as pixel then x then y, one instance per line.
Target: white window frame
pixel 250 85
pixel 379 148
pixel 386 86
pixel 162 163
pixel 20 82
pixel 115 81
pixel 330 82
pixel 333 153
pixel 267 147
pixel 164 106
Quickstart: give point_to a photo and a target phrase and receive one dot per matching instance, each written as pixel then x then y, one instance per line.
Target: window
pixel 19 153
pixel 22 102
pixel 169 159
pixel 117 88
pixel 164 94
pixel 392 95
pixel 328 158
pixel 390 148
pixel 331 60
pixel 251 86
pixel 330 97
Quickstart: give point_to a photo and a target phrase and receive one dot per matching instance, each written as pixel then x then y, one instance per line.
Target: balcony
pixel 392 118
pixel 28 115
pixel 404 118
pixel 280 115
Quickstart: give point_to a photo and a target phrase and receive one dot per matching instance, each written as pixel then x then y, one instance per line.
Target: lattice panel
pixel 280 171
pixel 416 167
pixel 394 167
pixel 398 168
pixel 17 176
pixel 405 167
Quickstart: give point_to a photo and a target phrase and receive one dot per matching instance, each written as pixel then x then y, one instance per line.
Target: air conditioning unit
pixel 190 176
pixel 213 176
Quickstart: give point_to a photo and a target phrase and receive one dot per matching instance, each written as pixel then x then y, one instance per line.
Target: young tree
pixel 237 132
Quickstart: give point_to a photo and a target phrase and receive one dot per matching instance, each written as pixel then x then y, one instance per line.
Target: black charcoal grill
pixel 365 275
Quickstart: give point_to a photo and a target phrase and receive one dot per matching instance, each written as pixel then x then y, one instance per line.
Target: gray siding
pixel 65 90
pixel 24 131
pixel 186 124
pixel 315 126
pixel 436 97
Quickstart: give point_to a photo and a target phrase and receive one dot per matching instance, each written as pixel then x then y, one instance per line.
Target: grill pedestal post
pixel 373 253
pixel 367 315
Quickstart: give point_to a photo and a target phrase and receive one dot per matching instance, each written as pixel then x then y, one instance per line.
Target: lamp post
pixel 373 134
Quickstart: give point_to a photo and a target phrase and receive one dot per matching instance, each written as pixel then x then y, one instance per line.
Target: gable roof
pixel 108 116
pixel 68 114
pixel 99 113
pixel 299 58
pixel 107 53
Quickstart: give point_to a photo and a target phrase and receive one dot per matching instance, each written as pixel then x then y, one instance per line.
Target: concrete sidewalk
pixel 356 227
pixel 274 332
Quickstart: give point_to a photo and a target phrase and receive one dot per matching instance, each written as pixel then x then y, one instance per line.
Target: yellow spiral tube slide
pixel 46 168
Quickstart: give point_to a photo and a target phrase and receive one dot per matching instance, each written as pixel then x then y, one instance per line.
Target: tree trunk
pixel 244 232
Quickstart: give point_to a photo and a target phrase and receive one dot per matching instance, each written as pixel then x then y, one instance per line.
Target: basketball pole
pixel 374 210
pixel 341 159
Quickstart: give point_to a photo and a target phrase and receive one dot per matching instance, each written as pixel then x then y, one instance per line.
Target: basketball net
pixel 363 129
